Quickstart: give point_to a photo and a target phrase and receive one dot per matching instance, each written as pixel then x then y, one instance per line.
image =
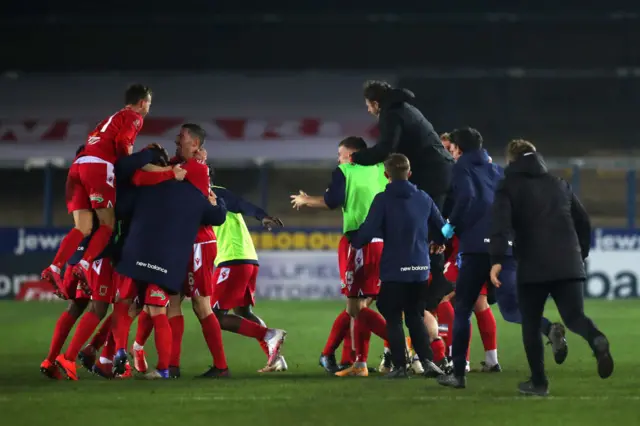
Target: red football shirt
pixel 198 176
pixel 114 137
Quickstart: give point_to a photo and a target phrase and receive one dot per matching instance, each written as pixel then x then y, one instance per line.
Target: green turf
pixel 305 395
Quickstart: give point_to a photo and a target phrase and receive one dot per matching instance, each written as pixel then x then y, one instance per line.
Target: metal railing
pixel 614 180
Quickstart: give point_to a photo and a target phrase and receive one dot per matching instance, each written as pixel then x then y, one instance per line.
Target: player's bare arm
pixel 303 199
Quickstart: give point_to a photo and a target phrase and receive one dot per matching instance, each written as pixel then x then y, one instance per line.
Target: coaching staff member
pixel 404 130
pixel 551 233
pixel 402 215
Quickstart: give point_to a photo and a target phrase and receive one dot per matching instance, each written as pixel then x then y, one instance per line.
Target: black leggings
pixel 569 299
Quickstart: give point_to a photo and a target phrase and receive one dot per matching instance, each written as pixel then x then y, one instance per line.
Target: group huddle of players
pixel 106 170
pixel 353 188
pixel 222 273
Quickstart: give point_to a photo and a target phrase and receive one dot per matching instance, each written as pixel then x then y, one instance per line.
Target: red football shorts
pixel 484 290
pixel 235 286
pixel 101 282
pixel 70 286
pixel 154 296
pixel 451 270
pixel 200 276
pixel 126 287
pixel 362 268
pixel 149 294
pixel 90 184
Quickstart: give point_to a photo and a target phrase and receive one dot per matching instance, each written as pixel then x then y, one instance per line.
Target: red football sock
pixel 213 335
pixel 348 352
pixel 488 330
pixel 438 348
pixel 177 331
pixel 163 340
pixel 374 322
pixel 145 327
pixel 362 336
pixel 445 315
pixel 121 324
pixel 109 349
pixel 60 333
pixel 68 247
pixel 87 325
pixel 99 241
pixel 251 329
pixel 339 330
pixel 100 338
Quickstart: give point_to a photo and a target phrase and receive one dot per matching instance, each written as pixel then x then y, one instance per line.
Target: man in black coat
pixel 404 130
pixel 551 232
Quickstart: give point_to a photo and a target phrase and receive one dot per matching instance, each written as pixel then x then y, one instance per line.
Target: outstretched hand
pixel 299 200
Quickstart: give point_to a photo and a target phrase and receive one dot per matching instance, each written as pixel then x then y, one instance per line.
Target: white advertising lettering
pixel 10 284
pixel 30 242
pixel 612 275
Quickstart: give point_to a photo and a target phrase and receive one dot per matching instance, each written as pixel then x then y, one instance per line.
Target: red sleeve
pixel 197 175
pixel 144 178
pixel 132 123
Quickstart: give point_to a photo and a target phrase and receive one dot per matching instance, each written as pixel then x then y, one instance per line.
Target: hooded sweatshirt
pixel 401 215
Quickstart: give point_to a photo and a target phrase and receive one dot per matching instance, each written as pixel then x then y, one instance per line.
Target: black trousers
pixel 569 299
pixel 439 287
pixel 394 299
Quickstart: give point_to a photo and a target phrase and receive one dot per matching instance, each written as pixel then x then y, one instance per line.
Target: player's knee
pixel 85 229
pixel 175 306
pixel 99 309
pixel 134 310
pixel 157 310
pixel 219 314
pixel 202 307
pixel 353 307
pixel 481 304
pixel 107 217
pixel 243 311
pixel 77 307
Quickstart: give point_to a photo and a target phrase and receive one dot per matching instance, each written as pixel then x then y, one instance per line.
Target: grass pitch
pixel 305 395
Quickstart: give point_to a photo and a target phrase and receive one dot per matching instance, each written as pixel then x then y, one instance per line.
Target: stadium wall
pixel 301 263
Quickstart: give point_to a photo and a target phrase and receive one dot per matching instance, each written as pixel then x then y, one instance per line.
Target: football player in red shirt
pixel 199 283
pixel 91 184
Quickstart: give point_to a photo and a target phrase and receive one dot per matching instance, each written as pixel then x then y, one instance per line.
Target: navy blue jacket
pixel 336 191
pixel 237 204
pixel 473 187
pixel 164 224
pixel 124 170
pixel 401 216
